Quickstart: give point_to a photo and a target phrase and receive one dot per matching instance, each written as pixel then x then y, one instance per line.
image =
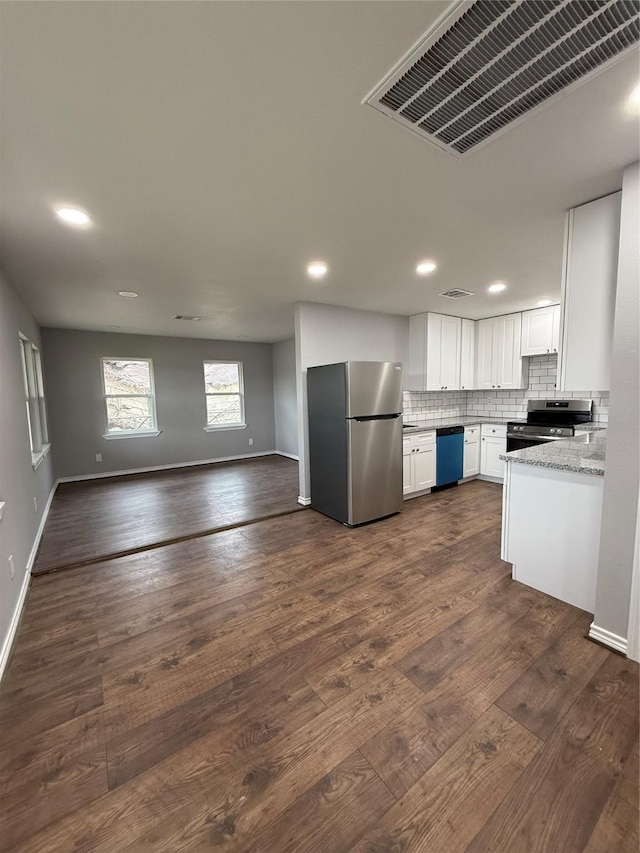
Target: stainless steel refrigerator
pixel 355 439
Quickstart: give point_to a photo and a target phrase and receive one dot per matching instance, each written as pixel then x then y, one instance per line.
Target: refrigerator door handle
pixel 362 418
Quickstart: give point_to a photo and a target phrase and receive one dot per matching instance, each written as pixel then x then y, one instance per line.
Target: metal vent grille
pixel 488 63
pixel 456 293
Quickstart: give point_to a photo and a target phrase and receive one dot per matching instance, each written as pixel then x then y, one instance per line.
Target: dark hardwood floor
pixel 294 686
pixel 95 519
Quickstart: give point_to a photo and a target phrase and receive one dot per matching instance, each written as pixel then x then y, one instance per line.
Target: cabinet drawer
pixel 499 430
pixel 424 438
pixel 472 433
pixel 409 442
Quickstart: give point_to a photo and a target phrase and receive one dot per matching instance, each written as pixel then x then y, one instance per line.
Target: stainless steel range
pixel 548 420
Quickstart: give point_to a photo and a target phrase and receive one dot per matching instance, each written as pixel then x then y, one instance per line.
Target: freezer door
pixel 373 388
pixel 375 468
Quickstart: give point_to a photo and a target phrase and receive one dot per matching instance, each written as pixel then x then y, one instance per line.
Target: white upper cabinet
pixel 588 294
pixel 498 358
pixel 540 330
pixel 468 355
pixel 434 353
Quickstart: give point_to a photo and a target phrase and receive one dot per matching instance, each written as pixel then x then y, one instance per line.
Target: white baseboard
pixel 43 521
pixel 152 468
pixel 304 501
pixel 608 638
pixel 487 479
pixel 5 651
pixel 13 626
pixel 288 455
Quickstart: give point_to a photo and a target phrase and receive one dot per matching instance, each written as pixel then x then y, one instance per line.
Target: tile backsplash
pixel 422 407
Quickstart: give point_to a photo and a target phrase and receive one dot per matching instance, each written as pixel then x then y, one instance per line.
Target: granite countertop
pixel 584 454
pixel 448 422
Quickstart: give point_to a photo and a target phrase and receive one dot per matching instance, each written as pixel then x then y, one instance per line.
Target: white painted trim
pixel 304 501
pixel 43 521
pixel 633 628
pixel 288 455
pixel 608 638
pixel 151 468
pixel 13 626
pixel 124 434
pixel 487 479
pixel 15 619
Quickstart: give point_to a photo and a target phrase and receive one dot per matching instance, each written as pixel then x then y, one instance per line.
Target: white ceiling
pixel 221 146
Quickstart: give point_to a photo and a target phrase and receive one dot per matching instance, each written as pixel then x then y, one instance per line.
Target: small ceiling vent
pixel 187 317
pixel 456 293
pixel 486 65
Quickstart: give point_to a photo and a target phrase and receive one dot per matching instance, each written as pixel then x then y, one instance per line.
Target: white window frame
pixel 33 379
pixel 242 424
pixel 129 433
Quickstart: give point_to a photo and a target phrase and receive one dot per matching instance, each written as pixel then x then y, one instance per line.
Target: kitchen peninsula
pixel 551 509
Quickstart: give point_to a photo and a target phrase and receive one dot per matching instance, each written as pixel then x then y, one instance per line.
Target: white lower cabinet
pixel 493 443
pixel 471 458
pixel 418 462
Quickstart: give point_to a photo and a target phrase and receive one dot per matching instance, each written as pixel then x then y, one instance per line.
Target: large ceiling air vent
pixel 456 293
pixel 487 64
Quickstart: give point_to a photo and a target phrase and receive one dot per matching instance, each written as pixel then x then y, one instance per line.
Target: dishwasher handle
pixel 453 430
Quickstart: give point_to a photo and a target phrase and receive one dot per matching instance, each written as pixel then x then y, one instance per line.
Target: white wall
pixel 19 483
pixel 620 504
pixel 326 334
pixel 284 397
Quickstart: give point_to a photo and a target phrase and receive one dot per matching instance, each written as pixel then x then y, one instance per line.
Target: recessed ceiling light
pixel 129 294
pixel 497 287
pixel 634 97
pixel 426 267
pixel 542 303
pixel 317 269
pixel 74 216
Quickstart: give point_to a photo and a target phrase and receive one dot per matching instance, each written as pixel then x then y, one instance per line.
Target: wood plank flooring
pixel 95 519
pixel 293 685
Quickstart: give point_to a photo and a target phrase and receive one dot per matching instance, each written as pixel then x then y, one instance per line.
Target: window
pixel 34 395
pixel 224 393
pixel 129 396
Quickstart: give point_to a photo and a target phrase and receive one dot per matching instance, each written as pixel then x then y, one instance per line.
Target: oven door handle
pixel 537 437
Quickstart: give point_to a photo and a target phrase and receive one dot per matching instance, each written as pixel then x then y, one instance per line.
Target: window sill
pixel 219 428
pixel 110 436
pixel 36 458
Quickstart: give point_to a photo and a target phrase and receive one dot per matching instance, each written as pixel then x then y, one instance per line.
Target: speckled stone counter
pixel 449 422
pixel 584 454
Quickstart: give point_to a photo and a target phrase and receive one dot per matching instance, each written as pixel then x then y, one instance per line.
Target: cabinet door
pixel 407 471
pixel 555 328
pixel 443 352
pixel 507 343
pixel 490 463
pixel 471 455
pixel 415 377
pixel 589 294
pixel 485 363
pixel 537 331
pixel 450 353
pixel 467 355
pixel 434 352
pixel 424 468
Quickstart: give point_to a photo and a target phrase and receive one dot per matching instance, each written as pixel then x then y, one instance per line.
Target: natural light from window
pixel 129 395
pixel 224 394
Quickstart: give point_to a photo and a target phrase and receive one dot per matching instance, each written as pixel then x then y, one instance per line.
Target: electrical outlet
pixel 35 504
pixel 250 441
pixel 12 568
pixel 98 457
